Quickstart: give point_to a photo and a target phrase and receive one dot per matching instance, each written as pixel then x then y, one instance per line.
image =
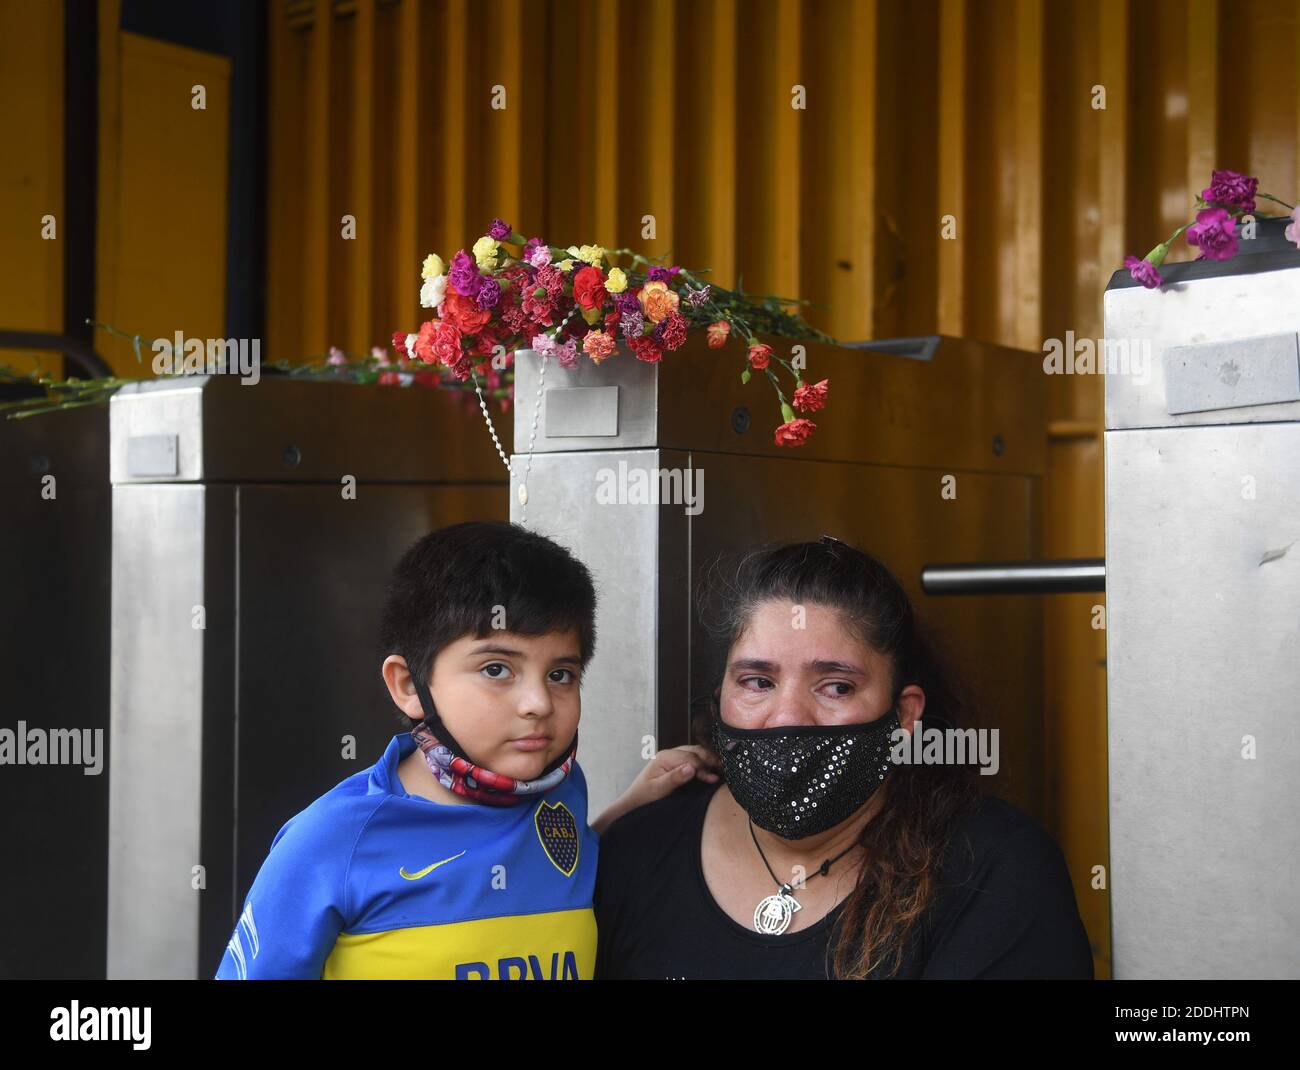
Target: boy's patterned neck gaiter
pixel 482 785
pixel 456 772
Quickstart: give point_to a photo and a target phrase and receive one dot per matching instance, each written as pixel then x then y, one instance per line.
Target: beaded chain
pixel 532 434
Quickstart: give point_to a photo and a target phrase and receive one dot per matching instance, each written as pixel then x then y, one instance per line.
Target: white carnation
pixel 433 291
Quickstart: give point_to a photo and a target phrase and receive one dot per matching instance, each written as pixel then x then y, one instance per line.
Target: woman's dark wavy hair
pixel 904 844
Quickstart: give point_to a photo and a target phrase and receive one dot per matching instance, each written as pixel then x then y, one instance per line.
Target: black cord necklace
pixel 772 915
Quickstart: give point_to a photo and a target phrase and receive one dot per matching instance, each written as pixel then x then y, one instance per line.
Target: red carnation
pixel 539 309
pixel 759 354
pixel 446 342
pixel 794 432
pixel 811 398
pixel 515 318
pixel 399 344
pixel 486 343
pixel 464 313
pixel 424 342
pixel 589 288
pixel 552 279
pixel 460 368
pixel 645 349
pixel 673 331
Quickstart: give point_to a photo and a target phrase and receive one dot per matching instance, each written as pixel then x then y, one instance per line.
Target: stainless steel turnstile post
pixel 1203 619
pixel 246 589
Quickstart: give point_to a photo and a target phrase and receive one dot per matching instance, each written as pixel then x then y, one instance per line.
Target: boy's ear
pixel 401 687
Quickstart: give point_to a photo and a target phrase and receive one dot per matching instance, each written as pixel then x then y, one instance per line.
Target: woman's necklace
pixel 772 916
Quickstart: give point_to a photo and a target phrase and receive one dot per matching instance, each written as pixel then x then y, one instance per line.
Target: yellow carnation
pixel 615 281
pixel 565 265
pixel 433 266
pixel 485 252
pixel 591 254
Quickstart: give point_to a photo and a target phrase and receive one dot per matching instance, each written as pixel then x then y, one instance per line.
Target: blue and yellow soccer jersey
pixel 371 882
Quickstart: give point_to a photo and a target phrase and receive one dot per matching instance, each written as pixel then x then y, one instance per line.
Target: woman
pixel 821 857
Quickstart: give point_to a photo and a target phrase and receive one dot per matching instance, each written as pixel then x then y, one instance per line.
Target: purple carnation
pixel 698 298
pixel 1144 271
pixel 662 274
pixel 1231 189
pixel 500 229
pixel 489 293
pixel 464 274
pixel 627 302
pixel 1213 234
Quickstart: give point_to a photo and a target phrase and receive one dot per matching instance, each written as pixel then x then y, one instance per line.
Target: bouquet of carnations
pixel 577 303
pixel 1228 198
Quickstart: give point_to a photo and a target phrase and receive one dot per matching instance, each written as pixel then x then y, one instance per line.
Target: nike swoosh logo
pixel 427 869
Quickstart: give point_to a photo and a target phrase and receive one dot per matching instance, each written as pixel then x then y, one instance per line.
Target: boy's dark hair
pixel 450 583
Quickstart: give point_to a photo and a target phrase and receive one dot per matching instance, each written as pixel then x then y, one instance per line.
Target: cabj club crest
pixel 558 830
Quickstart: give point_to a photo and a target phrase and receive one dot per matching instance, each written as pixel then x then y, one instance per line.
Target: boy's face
pixel 510 700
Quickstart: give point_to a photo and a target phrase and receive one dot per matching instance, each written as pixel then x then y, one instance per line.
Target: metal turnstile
pixel 907 418
pixel 1203 618
pixel 246 590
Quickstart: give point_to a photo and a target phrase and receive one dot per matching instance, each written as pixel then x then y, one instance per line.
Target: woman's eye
pixel 758 681
pixel 492 674
pixel 847 688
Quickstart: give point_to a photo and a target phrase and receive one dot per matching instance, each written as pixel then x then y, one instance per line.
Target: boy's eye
pixel 488 670
pixel 562 676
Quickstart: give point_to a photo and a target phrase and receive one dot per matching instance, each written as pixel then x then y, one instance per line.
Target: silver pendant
pixel 772 916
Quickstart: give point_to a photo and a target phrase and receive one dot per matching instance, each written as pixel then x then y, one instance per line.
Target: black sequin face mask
pixel 797 782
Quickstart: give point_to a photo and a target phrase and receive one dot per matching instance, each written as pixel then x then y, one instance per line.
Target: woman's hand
pixel 664 773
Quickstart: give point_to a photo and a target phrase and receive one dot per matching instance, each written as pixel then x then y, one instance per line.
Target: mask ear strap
pixel 438 728
pixel 431 718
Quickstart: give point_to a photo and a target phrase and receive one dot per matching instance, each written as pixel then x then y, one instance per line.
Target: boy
pixel 464 852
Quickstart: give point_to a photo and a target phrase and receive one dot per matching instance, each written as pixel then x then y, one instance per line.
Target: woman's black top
pixel 1005 908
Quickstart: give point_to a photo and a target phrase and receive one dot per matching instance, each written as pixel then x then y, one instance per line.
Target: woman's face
pixel 798 665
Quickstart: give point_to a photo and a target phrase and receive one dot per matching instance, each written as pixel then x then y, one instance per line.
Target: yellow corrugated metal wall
pixel 31 178
pixel 161 232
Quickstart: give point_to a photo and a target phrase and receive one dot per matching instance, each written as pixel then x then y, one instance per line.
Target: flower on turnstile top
pixel 1147 270
pixel 1292 231
pixel 509 293
pixel 1231 189
pixel 1214 234
pixel 1228 199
